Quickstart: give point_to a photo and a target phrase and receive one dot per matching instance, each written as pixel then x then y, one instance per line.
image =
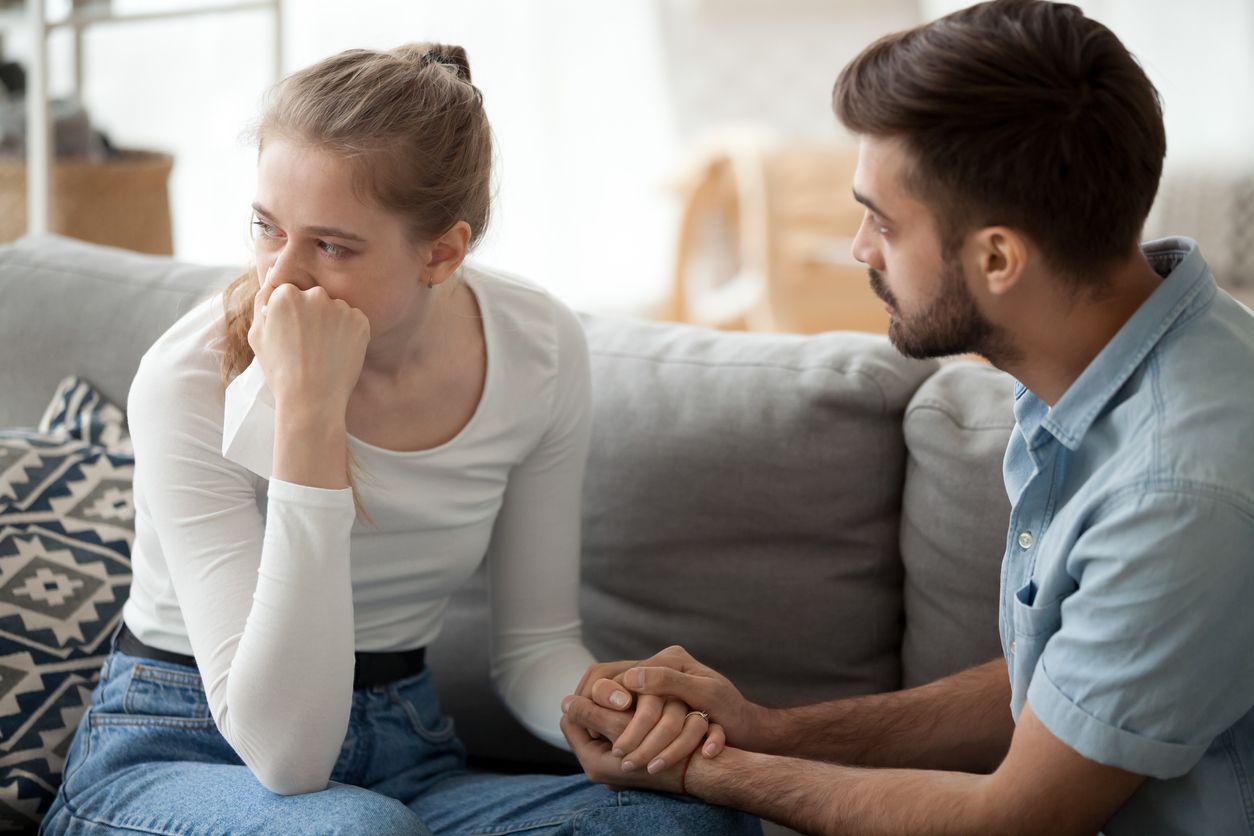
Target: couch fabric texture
pixel 815 516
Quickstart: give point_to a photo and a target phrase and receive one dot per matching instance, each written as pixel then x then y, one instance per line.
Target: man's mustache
pixel 879 287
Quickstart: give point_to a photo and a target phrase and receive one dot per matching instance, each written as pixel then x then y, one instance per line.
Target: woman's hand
pixel 311 347
pixel 659 733
pixel 675 674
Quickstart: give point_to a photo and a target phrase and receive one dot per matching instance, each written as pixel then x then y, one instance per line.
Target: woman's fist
pixel 311 347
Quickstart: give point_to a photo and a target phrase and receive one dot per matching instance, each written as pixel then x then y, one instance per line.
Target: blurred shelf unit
pixel 32 16
pixel 764 241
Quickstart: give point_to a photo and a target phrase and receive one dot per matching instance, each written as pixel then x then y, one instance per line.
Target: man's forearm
pixel 962 722
pixel 822 798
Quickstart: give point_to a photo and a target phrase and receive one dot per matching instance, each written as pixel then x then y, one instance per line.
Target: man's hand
pixel 675 674
pixel 602 767
pixel 672 739
pixel 661 730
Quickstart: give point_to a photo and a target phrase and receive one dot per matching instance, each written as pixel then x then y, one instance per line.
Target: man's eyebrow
pixel 868 203
pixel 325 231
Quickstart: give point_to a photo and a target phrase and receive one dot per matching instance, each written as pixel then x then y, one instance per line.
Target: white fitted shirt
pixel 272 585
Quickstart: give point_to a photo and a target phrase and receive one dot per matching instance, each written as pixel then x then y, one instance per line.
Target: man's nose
pixel 863 250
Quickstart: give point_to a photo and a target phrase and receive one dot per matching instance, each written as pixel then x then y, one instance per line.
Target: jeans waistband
pixel 369 669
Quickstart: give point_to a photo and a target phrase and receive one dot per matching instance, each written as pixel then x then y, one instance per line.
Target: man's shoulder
pixel 1200 385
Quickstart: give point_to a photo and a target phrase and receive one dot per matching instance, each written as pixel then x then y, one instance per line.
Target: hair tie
pixel 431 56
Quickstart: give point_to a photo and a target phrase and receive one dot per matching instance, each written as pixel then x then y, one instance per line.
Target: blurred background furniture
pixel 95 191
pixel 764 241
pixel 121 200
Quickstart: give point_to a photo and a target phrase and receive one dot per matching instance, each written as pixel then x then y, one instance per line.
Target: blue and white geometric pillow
pixel 67 521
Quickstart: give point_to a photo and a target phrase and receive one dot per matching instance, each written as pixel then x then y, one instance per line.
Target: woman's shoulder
pixel 523 314
pixel 185 361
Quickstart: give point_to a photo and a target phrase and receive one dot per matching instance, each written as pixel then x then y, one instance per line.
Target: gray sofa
pixel 815 516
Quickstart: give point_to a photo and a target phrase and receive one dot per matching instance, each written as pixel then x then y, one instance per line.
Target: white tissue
pixel 248 421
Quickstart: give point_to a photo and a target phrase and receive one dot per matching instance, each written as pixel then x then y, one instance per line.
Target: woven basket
pixel 121 201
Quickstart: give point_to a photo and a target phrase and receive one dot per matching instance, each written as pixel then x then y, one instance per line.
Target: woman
pixel 358 392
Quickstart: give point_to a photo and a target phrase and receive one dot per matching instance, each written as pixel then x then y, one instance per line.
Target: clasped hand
pixel 633 714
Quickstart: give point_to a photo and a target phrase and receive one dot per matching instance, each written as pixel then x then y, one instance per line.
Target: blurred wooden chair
pixel 764 242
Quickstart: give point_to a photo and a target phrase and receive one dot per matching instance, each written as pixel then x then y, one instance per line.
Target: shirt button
pixel 1012 646
pixel 1026 539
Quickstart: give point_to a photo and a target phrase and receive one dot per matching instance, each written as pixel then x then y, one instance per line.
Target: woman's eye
pixel 266 229
pixel 332 250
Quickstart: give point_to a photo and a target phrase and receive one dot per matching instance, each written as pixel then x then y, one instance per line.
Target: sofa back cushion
pixel 742 499
pixel 954 519
pixel 73 308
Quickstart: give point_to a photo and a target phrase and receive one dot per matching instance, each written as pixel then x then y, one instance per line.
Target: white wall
pixel 595 104
pixel 1200 56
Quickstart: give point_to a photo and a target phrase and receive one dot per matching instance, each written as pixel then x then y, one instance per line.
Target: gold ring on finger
pixel 704 715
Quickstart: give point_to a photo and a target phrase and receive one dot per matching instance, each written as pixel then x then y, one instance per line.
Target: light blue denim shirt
pixel 1127 587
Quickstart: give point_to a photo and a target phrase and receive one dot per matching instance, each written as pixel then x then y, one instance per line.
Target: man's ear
pixel 1000 257
pixel 447 253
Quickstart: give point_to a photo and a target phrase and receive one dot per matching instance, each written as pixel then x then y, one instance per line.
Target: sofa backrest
pixel 955 515
pixel 69 307
pixel 742 499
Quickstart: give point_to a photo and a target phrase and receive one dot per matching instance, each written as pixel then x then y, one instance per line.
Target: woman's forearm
pixel 310 446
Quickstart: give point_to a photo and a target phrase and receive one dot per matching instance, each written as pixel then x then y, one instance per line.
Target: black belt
pixel 370 669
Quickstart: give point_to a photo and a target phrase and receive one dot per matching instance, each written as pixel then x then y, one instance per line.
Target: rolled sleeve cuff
pixel 1101 742
pixel 331 498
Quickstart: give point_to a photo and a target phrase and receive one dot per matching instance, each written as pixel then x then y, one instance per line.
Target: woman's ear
pixel 447 254
pixel 1000 255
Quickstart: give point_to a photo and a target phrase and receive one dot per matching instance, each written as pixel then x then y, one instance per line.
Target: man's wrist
pixel 774 731
pixel 712 779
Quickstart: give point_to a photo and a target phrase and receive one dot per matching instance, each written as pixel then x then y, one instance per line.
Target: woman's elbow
pixel 291 777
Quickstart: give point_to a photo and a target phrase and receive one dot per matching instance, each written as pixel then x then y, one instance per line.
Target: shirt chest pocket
pixel 1033 622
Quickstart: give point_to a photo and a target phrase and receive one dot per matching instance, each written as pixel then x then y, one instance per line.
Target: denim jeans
pixel 148 758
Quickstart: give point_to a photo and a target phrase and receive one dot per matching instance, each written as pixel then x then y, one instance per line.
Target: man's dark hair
pixel 1023 113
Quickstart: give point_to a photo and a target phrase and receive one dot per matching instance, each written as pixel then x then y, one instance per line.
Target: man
pixel 1009 155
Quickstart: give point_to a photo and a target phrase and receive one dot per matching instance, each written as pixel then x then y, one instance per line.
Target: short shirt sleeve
pixel 1152 659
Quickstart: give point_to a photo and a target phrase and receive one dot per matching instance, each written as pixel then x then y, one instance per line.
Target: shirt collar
pixel 1186 281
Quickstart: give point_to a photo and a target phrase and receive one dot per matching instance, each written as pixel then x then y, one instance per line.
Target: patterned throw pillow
pixel 66 526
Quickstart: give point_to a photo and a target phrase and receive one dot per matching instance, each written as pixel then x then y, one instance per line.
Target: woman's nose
pixel 287 269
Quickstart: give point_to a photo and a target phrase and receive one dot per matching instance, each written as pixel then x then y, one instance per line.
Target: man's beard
pixel 950 324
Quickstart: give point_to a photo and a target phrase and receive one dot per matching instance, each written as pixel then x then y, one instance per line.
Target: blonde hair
pixel 412 125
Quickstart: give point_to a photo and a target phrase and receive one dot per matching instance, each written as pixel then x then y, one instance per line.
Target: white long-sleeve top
pixel 272 585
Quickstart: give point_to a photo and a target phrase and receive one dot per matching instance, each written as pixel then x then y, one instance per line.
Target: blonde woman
pixel 362 393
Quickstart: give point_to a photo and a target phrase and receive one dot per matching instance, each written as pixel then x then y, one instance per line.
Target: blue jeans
pixel 148 758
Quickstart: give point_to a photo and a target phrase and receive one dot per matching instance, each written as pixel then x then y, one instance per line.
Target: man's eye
pixel 332 250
